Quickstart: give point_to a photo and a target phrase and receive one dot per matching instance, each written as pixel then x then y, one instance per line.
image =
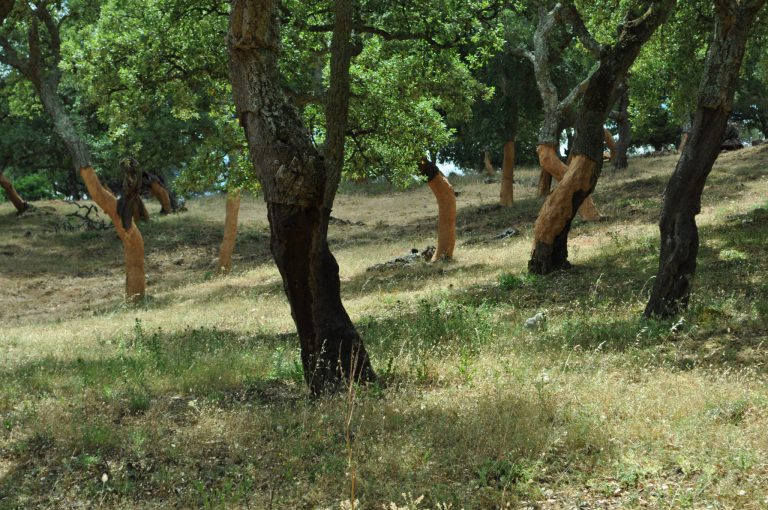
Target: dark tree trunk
pixel 620 162
pixel 299 187
pixel 550 249
pixel 682 198
pixel 5 9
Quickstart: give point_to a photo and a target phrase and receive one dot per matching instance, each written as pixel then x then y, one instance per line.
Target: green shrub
pixel 34 187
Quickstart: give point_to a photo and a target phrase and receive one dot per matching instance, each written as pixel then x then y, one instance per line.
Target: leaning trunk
pixel 554 167
pixel 230 231
pixel 507 194
pixel 446 209
pixel 682 198
pixel 552 226
pixel 550 247
pixel 12 195
pixel 299 186
pixel 161 194
pixel 133 243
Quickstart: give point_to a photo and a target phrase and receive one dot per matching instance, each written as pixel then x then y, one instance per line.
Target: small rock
pixel 678 326
pixel 510 232
pixel 538 321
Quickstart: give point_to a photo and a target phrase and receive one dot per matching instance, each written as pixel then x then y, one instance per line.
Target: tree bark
pixel 299 186
pixel 489 169
pixel 611 143
pixel 133 243
pixel 545 184
pixel 230 231
pixel 621 162
pixel 12 195
pixel 507 193
pixel 46 80
pixel 139 211
pixel 554 167
pixel 446 207
pixel 550 247
pixel 682 198
pixel 161 194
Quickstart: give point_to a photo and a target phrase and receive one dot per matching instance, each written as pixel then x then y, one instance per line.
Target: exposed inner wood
pixel 230 231
pixel 162 196
pixel 611 143
pixel 12 194
pixel 507 194
pixel 558 208
pixel 553 165
pixel 489 169
pixel 446 222
pixel 133 243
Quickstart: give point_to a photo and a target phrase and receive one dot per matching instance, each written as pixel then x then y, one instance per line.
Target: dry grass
pixel 195 398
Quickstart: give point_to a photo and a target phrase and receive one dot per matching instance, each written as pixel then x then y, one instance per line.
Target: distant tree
pixel 750 106
pixel 682 198
pixel 12 194
pixel 5 183
pixel 624 126
pixel 446 205
pixel 38 60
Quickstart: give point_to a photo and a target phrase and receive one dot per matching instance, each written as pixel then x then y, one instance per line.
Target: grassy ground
pixel 195 398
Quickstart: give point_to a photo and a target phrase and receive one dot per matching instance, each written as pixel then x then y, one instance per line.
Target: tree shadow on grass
pixel 164 386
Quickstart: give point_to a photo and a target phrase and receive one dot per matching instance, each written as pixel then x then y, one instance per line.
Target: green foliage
pixel 34 187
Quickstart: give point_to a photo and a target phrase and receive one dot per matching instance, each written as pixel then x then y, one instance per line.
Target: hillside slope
pixel 195 398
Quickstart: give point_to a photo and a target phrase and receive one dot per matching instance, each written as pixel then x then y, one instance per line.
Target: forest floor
pixel 195 398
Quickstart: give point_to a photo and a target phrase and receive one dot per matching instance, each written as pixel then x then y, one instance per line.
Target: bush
pixel 34 187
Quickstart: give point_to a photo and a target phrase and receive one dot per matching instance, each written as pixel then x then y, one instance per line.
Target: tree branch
pixel 571 16
pixel 10 57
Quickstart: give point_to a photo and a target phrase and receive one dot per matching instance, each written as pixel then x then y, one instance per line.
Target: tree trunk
pixel 683 142
pixel 682 198
pixel 545 184
pixel 139 212
pixel 45 75
pixel 133 243
pixel 161 194
pixel 507 194
pixel 550 247
pixel 299 186
pixel 12 195
pixel 611 143
pixel 551 228
pixel 621 162
pixel 230 231
pixel 553 165
pixel 446 207
pixel 489 169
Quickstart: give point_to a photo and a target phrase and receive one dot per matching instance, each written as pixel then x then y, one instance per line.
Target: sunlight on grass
pixel 196 397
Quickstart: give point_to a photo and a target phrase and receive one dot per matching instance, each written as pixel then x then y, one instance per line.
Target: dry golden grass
pixel 194 399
